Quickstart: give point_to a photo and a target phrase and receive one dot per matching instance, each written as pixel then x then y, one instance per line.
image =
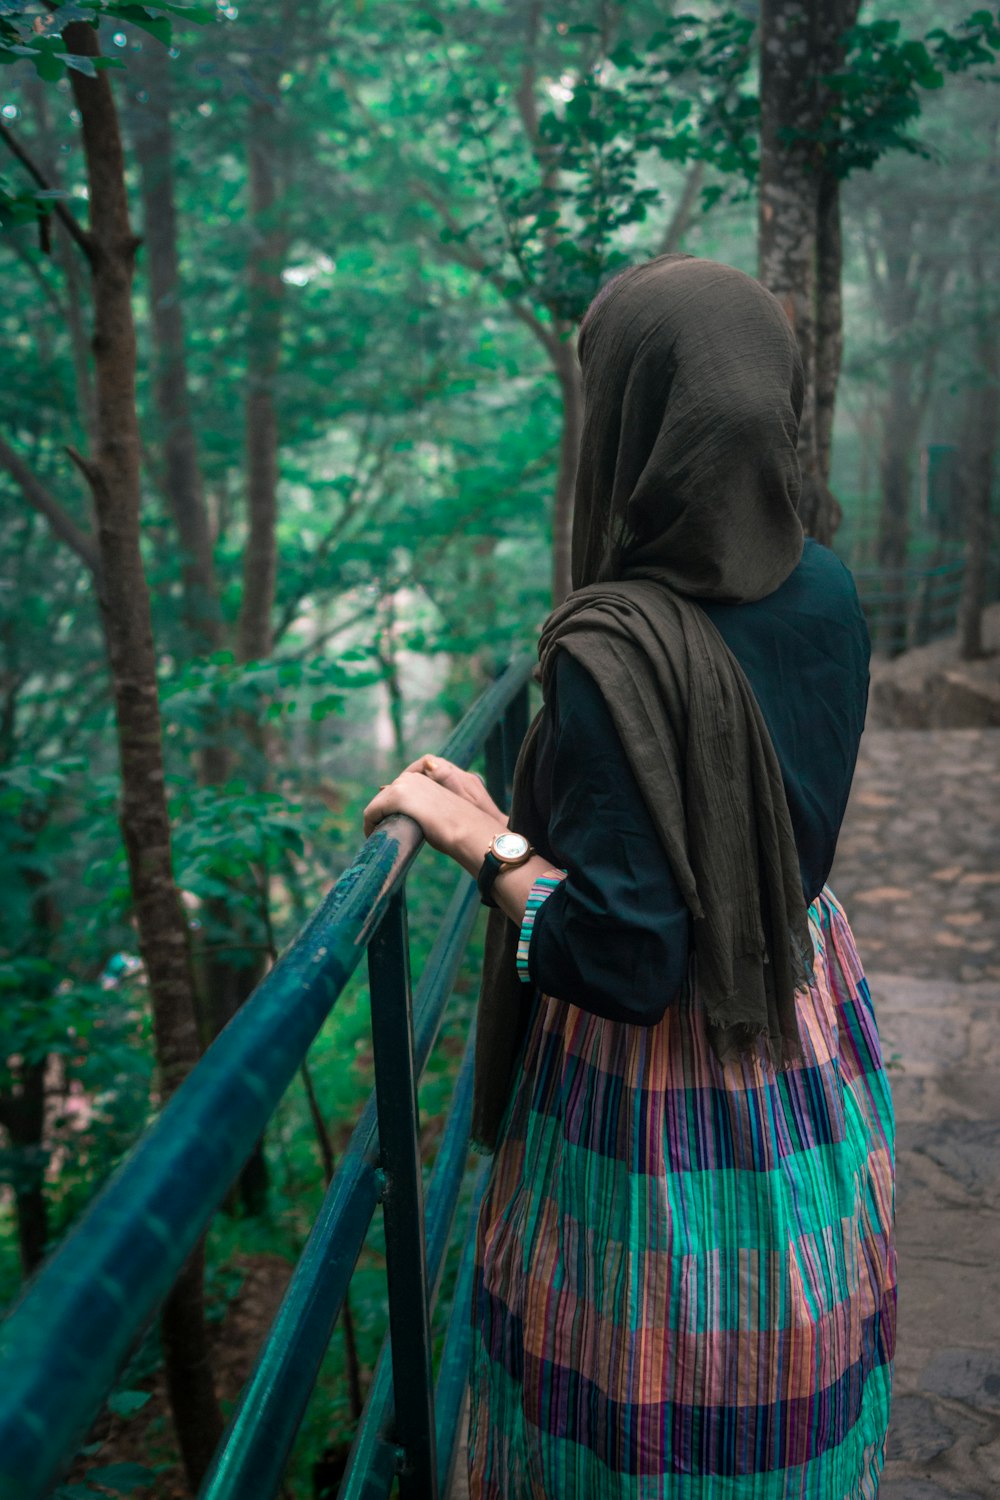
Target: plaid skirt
pixel 685 1272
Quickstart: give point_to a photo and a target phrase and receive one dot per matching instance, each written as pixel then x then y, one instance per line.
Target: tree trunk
pixel 268 163
pixel 113 474
pixel 829 320
pixel 899 435
pixel 387 651
pixel 836 17
pixel 22 1100
pixel 788 180
pixel 66 255
pixel 904 400
pixel 558 339
pixel 571 388
pixel 351 1359
pixel 22 1112
pixel 793 58
pixel 982 430
pixel 153 145
pixel 266 298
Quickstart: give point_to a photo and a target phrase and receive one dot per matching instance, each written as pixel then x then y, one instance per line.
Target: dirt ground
pixel 147 1436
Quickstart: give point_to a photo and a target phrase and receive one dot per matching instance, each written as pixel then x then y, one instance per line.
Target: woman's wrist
pixel 459 828
pixel 472 836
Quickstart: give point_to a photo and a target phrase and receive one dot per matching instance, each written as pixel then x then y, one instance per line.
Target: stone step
pixel 941 1039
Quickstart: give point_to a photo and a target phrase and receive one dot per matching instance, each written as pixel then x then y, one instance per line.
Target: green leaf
pixel 157 26
pixel 41 44
pixel 50 67
pixel 578 107
pixel 127 1403
pixel 625 56
pixel 201 15
pixel 122 1478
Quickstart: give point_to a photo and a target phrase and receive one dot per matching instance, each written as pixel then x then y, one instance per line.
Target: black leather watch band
pixel 488 872
pixel 506 852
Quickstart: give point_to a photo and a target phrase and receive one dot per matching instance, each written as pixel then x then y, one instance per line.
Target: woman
pixel 685 1256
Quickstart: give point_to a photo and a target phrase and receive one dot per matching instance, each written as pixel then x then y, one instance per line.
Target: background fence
pixel 912 606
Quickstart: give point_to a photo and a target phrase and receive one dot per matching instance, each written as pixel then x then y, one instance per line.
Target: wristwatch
pixel 506 851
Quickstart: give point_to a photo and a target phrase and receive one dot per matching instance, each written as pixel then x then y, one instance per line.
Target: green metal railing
pixel 72 1329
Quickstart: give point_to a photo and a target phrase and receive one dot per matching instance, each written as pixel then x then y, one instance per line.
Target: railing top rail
pixel 70 1331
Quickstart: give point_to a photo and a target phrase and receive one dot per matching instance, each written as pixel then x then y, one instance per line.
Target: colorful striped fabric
pixel 686 1273
pixel 540 891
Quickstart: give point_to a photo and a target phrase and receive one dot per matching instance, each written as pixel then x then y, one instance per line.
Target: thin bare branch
pixel 90 471
pixel 598 44
pixel 82 236
pixel 875 276
pixel 368 458
pixel 467 255
pixel 681 217
pixel 41 499
pixel 527 104
pixel 455 250
pixel 328 635
pixel 37 274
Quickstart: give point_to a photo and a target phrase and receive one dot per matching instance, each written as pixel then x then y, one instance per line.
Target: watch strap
pixel 492 866
pixel 488 872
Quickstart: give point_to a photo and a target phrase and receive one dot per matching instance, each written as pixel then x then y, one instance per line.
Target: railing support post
pixel 514 728
pixel 502 747
pixel 496 777
pixel 403 1203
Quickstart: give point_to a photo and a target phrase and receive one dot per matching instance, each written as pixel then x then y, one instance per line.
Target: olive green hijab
pixel 687 488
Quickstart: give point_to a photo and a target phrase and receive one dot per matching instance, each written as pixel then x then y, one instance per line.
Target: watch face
pixel 510 845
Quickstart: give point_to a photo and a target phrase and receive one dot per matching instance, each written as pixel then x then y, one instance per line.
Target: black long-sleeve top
pixel 614 936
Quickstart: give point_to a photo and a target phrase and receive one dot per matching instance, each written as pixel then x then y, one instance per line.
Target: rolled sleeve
pixel 612 934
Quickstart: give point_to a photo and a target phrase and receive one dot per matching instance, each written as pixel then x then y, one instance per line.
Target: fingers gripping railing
pixel 74 1325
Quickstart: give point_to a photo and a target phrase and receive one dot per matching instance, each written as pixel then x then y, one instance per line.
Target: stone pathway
pixel 918 862
pixel 918 872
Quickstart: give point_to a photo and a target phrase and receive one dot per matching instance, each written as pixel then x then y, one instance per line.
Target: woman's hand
pixel 451 823
pixel 467 784
pixel 460 823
